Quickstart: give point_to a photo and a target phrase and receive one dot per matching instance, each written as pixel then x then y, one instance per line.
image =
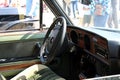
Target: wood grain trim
pixel 20 66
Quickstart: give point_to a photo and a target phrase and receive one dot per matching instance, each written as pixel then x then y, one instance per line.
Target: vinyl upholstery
pixel 37 72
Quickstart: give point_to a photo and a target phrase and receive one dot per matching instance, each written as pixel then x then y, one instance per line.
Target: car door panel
pixel 19 51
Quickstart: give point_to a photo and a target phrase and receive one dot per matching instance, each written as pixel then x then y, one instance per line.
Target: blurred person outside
pixel 100 10
pixel 87 16
pixel 4 3
pixel 74 10
pixel 32 8
pixel 113 19
pixel 15 3
pixel 66 6
pixel 32 12
pixel 10 1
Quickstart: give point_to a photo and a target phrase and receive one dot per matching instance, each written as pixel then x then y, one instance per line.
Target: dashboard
pixel 103 47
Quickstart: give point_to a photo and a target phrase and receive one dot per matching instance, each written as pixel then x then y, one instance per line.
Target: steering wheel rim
pixel 53 40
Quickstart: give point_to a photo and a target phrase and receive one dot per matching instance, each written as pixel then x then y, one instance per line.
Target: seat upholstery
pixel 2 77
pixel 37 72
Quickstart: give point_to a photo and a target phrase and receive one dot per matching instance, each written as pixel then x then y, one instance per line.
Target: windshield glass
pixel 19 14
pixel 92 13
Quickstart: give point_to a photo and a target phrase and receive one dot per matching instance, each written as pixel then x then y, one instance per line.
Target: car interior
pixel 61 51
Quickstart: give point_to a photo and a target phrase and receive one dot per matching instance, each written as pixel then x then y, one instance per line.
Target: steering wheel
pixel 53 40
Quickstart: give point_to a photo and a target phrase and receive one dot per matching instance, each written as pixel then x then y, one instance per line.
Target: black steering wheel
pixel 53 40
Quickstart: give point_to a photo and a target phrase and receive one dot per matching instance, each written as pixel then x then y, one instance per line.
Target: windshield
pixel 92 13
pixel 19 14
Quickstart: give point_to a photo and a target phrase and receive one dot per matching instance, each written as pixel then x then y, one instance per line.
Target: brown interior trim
pixel 20 66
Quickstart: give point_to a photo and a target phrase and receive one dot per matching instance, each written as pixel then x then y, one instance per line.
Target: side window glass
pixel 19 14
pixel 48 16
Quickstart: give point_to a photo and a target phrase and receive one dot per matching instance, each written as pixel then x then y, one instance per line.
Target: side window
pixel 48 16
pixel 19 14
pixel 23 15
